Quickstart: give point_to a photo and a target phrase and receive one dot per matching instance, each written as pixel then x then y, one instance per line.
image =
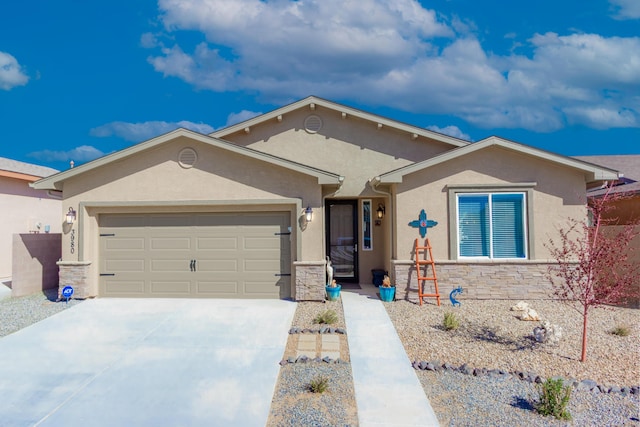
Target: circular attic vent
pixel 313 124
pixel 187 158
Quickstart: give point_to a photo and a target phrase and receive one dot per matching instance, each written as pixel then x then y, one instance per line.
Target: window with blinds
pixel 491 225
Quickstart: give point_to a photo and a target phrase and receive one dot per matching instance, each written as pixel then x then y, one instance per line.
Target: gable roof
pixel 592 172
pixel 629 167
pixel 312 101
pixel 56 182
pixel 25 171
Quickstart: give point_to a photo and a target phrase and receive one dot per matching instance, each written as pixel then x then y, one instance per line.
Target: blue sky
pixel 79 79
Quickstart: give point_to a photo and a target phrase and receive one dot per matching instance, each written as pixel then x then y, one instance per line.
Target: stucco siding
pixel 24 208
pixel 556 196
pixel 351 147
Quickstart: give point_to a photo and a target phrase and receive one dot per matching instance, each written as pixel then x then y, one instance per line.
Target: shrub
pixel 319 384
pixel 328 317
pixel 450 321
pixel 621 331
pixel 553 399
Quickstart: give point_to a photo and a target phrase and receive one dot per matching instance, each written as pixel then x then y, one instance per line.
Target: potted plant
pixel 387 290
pixel 333 291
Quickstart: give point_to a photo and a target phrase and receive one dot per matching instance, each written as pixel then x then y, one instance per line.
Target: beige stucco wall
pixel 153 181
pixel 34 263
pixel 23 209
pixel 351 147
pixel 557 196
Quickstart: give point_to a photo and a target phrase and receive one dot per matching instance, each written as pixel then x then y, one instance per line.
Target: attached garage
pixel 195 255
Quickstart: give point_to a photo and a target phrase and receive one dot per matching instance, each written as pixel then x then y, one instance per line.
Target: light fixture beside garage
pixel 70 217
pixel 308 214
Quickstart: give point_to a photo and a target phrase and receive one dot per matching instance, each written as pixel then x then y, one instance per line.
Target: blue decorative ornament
pixel 422 223
pixel 452 296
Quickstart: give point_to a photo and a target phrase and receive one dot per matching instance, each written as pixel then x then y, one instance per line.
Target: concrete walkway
pixel 388 392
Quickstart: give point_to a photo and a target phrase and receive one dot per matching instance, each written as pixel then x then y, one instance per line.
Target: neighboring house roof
pixel 25 171
pixel 313 101
pixel 55 182
pixel 629 167
pixel 592 172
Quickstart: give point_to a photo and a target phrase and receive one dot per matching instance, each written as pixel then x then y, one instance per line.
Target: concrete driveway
pixel 146 362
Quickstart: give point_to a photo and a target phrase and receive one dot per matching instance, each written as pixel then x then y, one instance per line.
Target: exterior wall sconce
pixel 71 216
pixel 308 214
pixel 380 211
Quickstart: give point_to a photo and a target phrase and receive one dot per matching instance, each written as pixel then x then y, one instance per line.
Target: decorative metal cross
pixel 422 223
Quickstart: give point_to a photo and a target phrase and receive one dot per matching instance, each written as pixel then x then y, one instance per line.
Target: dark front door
pixel 342 239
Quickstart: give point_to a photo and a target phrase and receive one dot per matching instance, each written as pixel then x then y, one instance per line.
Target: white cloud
pixel 84 153
pixel 243 115
pixel 451 131
pixel 11 73
pixel 137 132
pixel 392 53
pixel 626 9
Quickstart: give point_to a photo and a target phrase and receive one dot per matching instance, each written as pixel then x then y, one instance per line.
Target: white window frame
pixel 490 204
pixel 525 188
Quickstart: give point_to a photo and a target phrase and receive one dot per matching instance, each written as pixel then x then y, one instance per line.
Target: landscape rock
pixel 547 333
pixel 520 306
pixel 586 385
pixel 529 315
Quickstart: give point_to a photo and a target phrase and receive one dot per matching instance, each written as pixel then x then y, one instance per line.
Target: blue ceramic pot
pixel 333 293
pixel 387 294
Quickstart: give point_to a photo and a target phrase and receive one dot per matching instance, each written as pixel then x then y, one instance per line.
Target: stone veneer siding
pixel 479 280
pixel 310 280
pixel 75 274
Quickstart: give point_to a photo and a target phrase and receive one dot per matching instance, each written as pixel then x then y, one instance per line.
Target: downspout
pixel 373 183
pixel 324 219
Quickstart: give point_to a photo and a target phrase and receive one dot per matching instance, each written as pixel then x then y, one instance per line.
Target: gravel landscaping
pixel 20 312
pixel 491 337
pixel 293 403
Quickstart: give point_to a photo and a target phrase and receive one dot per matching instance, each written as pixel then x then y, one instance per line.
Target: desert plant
pixel 386 282
pixel 554 398
pixel 327 317
pixel 621 331
pixel 450 321
pixel 593 268
pixel 319 384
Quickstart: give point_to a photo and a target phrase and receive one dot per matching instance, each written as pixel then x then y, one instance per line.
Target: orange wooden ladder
pixel 420 251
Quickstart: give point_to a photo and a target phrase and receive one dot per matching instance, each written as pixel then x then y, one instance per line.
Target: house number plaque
pixel 72 248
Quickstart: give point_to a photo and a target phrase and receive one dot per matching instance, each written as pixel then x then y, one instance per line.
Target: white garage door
pixel 200 255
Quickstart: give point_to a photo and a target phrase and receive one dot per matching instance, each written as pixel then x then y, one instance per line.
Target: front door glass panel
pixel 343 239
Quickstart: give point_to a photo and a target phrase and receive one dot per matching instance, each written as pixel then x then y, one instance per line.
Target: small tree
pixel 594 267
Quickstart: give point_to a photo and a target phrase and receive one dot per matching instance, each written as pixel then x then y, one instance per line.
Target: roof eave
pixel 349 111
pixel 55 182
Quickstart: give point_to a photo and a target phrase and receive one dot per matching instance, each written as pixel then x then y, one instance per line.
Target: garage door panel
pixel 218 266
pixel 217 288
pixel 236 255
pixel 123 220
pixel 170 287
pixel 170 243
pixel 170 265
pixel 265 242
pixel 125 244
pixel 166 221
pixel 264 265
pixel 217 243
pixel 124 287
pixel 125 266
pixel 260 288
